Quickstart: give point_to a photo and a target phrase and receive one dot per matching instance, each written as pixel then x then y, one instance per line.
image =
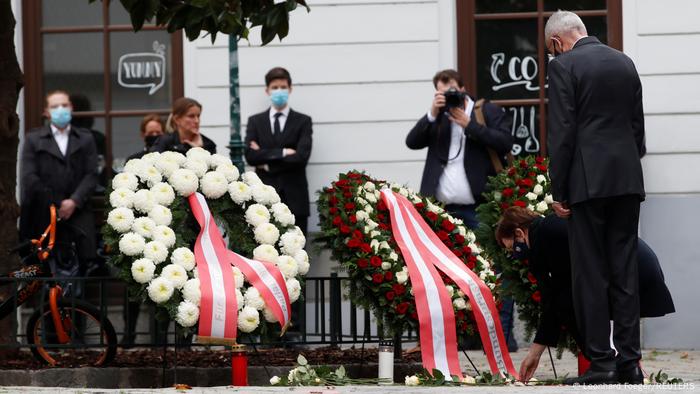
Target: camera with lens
pixel 454 99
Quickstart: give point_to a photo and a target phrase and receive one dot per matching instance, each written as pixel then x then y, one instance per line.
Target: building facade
pixel 363 70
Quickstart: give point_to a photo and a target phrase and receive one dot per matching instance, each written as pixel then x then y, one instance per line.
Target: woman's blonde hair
pixel 180 108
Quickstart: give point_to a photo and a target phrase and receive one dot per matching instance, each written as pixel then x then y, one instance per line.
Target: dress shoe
pixel 631 376
pixel 593 377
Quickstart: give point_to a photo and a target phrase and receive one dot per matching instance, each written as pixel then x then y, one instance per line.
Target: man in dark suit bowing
pixel 59 166
pixel 596 140
pixel 278 144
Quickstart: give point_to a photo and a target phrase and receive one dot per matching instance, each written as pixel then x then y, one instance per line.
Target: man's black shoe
pixel 631 376
pixel 593 377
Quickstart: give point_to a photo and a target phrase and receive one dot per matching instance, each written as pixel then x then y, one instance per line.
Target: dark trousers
pixel 603 242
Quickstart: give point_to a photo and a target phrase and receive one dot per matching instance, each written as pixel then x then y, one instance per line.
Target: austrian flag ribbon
pixel 218 316
pixel 424 254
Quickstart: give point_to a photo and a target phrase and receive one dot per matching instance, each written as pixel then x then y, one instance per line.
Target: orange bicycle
pixel 63 328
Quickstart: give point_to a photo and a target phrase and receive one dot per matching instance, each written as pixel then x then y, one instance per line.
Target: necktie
pixel 278 130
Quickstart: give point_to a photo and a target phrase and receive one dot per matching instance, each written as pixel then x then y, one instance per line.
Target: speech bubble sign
pixel 142 70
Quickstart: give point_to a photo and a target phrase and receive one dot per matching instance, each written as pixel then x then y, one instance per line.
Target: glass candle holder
pixel 386 362
pixel 239 365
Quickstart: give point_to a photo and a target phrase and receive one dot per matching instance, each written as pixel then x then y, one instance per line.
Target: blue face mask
pixel 60 116
pixel 279 97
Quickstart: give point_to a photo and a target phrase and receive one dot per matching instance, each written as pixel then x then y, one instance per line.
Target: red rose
pixel 432 216
pixel 377 278
pixel 383 226
pixel 389 295
pixel 330 190
pixel 523 164
pixel 527 182
pixel 504 206
pixel 471 262
pixel 354 243
pixel 507 192
pixel 333 200
pixel 539 160
pixel 537 296
pixel 414 316
pixel 354 175
pixel 389 275
pixel 448 243
pixel 347 195
pixel 525 262
pixel 376 261
pixel 532 174
pixel 458 253
pixel 398 289
pixel 349 206
pixel 362 263
pixel 447 225
pixel 520 204
pixel 381 206
pixel 467 250
pixel 337 221
pixel 353 219
pixel 522 191
pixel 542 167
pixel 381 216
pixel 531 278
pixel 344 229
pixel 366 248
pixel 357 234
pixel 459 239
pixel 442 235
pixel 402 308
pixel 333 210
pixel 511 171
pixel 342 182
pixel 460 315
pixel 419 206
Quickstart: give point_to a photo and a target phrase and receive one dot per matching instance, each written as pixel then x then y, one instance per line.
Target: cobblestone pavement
pixel 679 363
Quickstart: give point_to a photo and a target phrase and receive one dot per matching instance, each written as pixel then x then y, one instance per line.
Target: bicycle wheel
pixel 92 340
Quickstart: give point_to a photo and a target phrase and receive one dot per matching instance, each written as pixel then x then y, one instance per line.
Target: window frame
pixel 466 48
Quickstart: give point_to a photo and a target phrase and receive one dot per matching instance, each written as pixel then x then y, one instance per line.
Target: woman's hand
pixel 531 361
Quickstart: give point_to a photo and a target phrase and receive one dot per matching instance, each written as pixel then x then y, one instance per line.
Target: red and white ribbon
pixel 218 316
pixel 424 252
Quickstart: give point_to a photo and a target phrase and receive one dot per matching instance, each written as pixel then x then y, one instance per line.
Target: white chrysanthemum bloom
pixel 412 380
pixel 538 189
pixel 229 170
pixel 199 167
pixel 161 215
pixel 297 230
pixel 288 266
pixel 165 235
pixel 291 242
pixel 370 187
pixel 402 277
pixel 217 160
pixel 121 198
pixel 173 156
pixel 248 319
pixel 214 184
pixel 302 259
pixel 151 158
pixel 150 175
pixel 253 298
pixel 294 289
pixel 371 198
pixel 169 162
pixel 238 277
pixel 266 233
pixel 549 199
pixel 121 219
pixel 198 153
pixel 142 270
pixel 125 180
pixel 144 227
pixel 183 257
pixel 160 290
pixel 257 214
pixel 542 207
pixel 191 291
pixel 163 193
pixel 542 179
pixel 144 200
pixel 264 194
pixel 386 265
pixel 531 196
pixel 240 301
pixel 239 192
pixel 134 166
pixel 460 303
pixel 282 214
pixel 251 178
pixel 450 290
pixel 175 274
pixel 266 253
pixel 269 316
pixel 184 181
pixel 361 216
pixel 155 251
pixel 187 314
pixel 131 244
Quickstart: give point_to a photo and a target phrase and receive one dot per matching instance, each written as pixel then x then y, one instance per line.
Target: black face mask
pixel 150 140
pixel 520 251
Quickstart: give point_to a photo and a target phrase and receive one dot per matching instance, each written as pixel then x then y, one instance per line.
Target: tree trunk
pixel 10 86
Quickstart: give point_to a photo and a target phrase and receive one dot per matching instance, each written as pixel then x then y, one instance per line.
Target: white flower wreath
pixel 150 230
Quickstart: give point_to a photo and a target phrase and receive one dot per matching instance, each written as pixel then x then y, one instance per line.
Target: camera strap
pixel 495 160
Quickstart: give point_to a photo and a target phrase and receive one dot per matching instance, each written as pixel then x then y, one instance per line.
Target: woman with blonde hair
pixel 184 122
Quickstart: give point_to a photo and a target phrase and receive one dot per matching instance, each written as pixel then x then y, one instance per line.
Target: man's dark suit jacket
pixel 286 174
pixel 477 162
pixel 596 124
pixel 49 177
